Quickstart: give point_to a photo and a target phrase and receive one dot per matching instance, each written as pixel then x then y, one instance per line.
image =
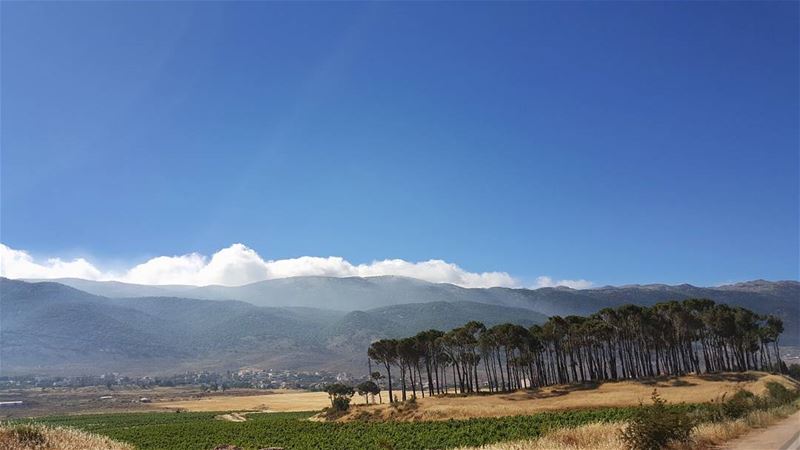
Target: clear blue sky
pixel 616 142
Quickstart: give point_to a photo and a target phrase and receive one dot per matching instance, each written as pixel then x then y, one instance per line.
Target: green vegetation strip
pixel 173 431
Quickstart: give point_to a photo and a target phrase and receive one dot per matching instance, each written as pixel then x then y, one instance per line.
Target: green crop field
pixel 174 431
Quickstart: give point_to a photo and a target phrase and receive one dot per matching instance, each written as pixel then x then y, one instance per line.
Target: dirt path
pixel 785 435
pixel 232 417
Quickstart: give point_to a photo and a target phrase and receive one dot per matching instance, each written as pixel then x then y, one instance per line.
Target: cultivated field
pixel 203 431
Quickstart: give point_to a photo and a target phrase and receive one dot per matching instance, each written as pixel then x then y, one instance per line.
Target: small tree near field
pixel 376 378
pixel 340 395
pixel 368 388
pixel 654 426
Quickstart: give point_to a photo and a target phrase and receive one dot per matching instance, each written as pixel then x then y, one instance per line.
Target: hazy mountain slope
pixel 56 329
pixel 52 328
pixel 119 289
pixel 565 301
pixel 48 324
pixel 344 294
pixel 358 329
pixel 75 333
pixel 347 294
pixel 403 320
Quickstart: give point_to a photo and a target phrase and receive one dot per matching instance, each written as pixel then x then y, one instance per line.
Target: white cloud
pixel 238 264
pixel 167 270
pixel 20 264
pixel 232 266
pixel 545 281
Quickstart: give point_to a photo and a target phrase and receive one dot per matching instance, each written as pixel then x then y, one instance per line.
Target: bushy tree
pixel 339 395
pixel 368 388
pixel 385 351
pixel 654 426
pixel 376 378
pixel 794 371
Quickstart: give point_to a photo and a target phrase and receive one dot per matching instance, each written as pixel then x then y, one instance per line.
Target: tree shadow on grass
pixel 738 377
pixel 537 393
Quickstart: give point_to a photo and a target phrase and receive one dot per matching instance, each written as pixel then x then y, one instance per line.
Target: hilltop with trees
pixel 627 342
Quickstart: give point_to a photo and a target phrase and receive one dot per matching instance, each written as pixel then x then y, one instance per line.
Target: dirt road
pixel 784 435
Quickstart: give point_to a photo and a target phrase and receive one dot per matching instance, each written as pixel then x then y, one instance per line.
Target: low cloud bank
pixel 238 264
pixel 545 281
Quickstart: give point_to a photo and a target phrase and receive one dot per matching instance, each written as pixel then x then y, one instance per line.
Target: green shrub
pixel 739 404
pixel 652 427
pixel 777 394
pixel 794 371
pixel 341 403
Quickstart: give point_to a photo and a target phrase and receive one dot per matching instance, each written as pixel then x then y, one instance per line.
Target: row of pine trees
pixel 628 342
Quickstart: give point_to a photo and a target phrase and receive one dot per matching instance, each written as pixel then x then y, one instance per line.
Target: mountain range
pixel 73 326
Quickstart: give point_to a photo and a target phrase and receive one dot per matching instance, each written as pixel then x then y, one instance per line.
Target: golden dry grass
pixel 594 436
pixel 279 400
pixel 712 435
pixel 40 437
pixel 688 389
pixel 275 401
pixel 605 436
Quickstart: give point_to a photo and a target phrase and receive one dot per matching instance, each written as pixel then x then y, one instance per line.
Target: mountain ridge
pixel 279 324
pixel 51 328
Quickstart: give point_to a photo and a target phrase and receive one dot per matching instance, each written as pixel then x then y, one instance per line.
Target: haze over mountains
pixel 73 326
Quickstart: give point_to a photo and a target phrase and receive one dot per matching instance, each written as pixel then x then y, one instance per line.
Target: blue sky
pixel 613 142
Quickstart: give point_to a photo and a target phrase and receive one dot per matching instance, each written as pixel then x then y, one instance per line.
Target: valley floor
pixel 502 421
pixel 688 389
pixel 57 401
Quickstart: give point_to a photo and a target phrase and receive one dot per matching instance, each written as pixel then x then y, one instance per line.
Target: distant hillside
pixel 781 298
pixel 344 294
pixel 48 327
pixel 356 330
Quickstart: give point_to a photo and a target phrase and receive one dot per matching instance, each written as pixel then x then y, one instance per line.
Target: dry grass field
pixel 688 389
pixel 274 401
pixel 39 437
pixel 271 401
pixel 594 436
